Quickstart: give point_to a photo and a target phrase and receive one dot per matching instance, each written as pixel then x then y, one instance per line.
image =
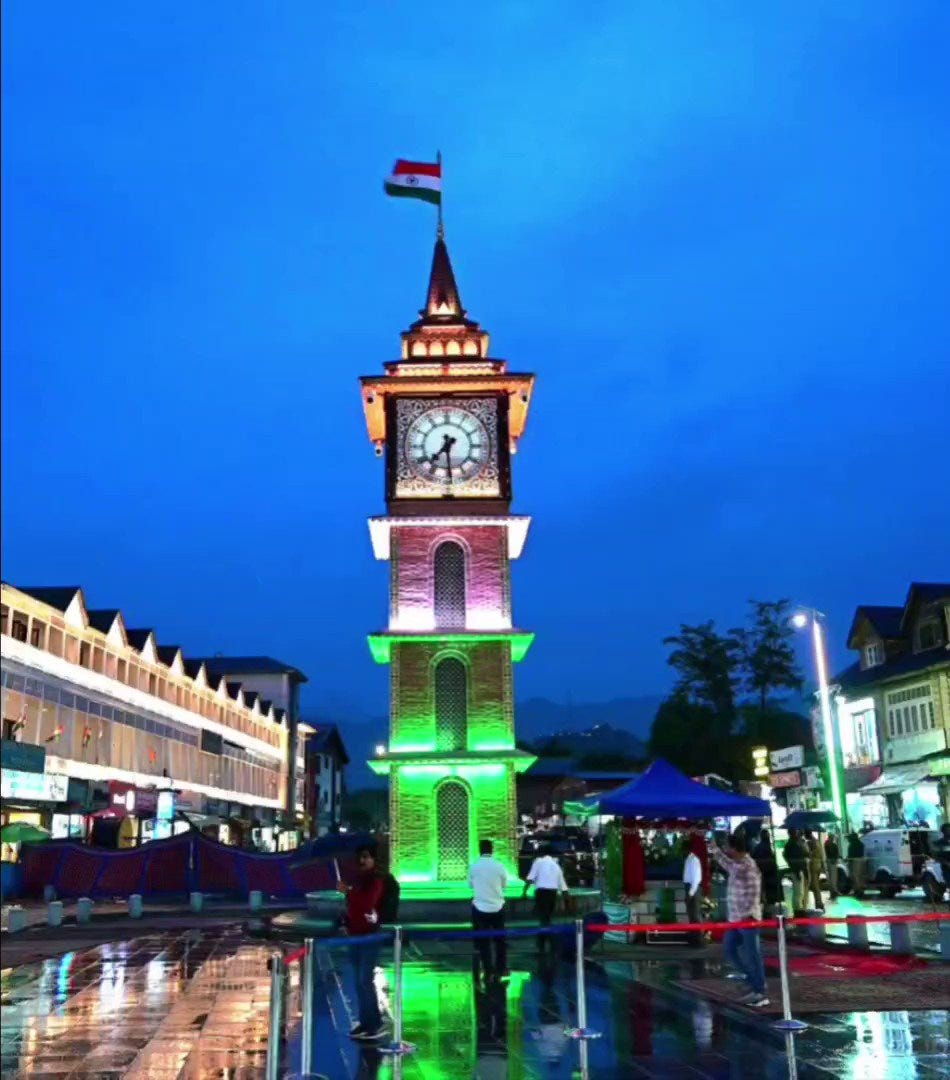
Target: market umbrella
pixel 22 832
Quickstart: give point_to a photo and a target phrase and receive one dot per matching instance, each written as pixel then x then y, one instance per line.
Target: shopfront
pixel 31 798
pixel 914 793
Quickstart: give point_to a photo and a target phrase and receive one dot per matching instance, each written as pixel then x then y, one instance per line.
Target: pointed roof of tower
pixel 443 302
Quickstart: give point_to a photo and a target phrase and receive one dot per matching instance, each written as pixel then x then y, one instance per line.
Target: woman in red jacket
pixel 363 898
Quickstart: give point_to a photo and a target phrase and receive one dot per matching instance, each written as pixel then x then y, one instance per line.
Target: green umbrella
pixel 22 832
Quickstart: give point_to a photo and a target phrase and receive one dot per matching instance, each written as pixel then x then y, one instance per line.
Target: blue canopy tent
pixel 663 793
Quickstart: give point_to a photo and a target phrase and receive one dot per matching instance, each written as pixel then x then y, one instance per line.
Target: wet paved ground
pixel 193 1004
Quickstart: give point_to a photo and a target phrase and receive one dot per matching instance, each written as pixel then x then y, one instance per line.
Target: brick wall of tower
pixel 490 708
pixel 488 605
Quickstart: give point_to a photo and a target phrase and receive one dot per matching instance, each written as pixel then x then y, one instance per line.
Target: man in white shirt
pixel 547 877
pixel 693 880
pixel 488 879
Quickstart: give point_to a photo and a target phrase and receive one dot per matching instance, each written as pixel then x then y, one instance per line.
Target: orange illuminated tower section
pixel 448 417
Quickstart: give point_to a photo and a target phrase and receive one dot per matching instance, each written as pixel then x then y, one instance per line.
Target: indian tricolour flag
pixel 417 180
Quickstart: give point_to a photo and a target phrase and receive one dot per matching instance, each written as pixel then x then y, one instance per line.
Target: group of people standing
pixel 488 880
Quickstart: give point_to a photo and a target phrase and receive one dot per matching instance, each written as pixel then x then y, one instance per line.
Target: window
pixel 152 682
pixel 4 618
pixel 37 634
pixel 910 710
pixel 873 654
pixel 929 635
pixel 19 627
pixel 451 705
pixel 449 573
pixel 85 653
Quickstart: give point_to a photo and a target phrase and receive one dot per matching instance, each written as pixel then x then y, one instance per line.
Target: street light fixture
pixel 802 618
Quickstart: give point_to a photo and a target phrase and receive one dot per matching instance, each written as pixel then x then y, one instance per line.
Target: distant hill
pixel 541 717
pixel 620 726
pixel 601 741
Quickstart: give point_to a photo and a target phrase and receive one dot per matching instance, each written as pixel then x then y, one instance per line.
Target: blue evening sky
pixel 716 231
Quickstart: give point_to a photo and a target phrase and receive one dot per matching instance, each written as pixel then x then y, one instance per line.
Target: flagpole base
pixel 397 1049
pixel 582 1033
pixel 789 1025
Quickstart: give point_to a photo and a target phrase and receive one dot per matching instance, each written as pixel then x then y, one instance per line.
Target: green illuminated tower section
pixel 447 417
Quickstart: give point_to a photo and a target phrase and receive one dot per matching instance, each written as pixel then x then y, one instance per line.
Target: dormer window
pixel 929 634
pixel 872 654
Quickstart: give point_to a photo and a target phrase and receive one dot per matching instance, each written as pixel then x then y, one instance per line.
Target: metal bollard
pixel 135 906
pixel 307 975
pixel 397 1046
pixel 857 934
pixel 83 909
pixel 255 899
pixel 16 919
pixel 817 933
pixel 49 893
pixel 196 900
pixel 944 931
pixel 900 937
pixel 54 913
pixel 788 1022
pixel 275 1034
pixel 582 1031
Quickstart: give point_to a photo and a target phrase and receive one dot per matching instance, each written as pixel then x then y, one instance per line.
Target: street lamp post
pixel 802 618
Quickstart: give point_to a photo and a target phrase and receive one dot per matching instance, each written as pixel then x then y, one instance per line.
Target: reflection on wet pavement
pixel 194 1004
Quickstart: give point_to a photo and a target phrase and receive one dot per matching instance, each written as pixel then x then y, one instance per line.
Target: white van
pixel 896 857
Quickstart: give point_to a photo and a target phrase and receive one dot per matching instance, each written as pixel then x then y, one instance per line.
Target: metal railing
pixel 306 956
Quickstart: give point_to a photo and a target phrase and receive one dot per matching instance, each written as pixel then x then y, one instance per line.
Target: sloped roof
pixel 57 596
pixel 138 637
pixel 853 677
pixel 167 653
pixel 101 619
pixel 326 736
pixel 886 621
pixel 249 665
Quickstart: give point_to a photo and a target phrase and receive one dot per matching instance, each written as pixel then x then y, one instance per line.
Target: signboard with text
pixel 40 787
pixel 786 779
pixel 791 757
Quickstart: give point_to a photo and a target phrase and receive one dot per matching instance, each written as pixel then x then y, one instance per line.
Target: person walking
pixel 796 859
pixel 815 866
pixel 547 877
pixel 363 899
pixel 772 892
pixel 856 863
pixel 832 858
pixel 488 880
pixel 743 903
pixel 692 882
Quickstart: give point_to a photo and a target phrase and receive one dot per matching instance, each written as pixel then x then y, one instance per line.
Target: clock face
pixel 447 445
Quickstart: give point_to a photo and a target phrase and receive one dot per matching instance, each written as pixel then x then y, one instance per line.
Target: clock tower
pixel 448 417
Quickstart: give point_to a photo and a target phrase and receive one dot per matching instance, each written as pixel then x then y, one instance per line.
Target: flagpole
pixel 440 228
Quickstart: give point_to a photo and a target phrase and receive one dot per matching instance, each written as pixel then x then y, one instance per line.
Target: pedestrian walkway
pixel 190 1004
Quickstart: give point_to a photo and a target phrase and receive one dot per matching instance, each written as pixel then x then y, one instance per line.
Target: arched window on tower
pixel 449 574
pixel 452 828
pixel 451 704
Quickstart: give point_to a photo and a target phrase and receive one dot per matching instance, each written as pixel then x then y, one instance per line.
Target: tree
pixel 707 663
pixel 681 734
pixel 766 652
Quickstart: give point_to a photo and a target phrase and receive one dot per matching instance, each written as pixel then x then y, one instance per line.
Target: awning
pixel 895 780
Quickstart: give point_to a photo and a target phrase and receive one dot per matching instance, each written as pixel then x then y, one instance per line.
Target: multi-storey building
pixel 326 759
pixel 893 710
pixel 102 723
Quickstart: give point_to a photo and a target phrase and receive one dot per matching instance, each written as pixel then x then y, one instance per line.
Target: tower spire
pixel 443 303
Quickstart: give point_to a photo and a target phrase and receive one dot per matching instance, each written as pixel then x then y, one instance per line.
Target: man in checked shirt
pixel 743 902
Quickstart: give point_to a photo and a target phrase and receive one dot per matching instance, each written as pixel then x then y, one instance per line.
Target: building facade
pixel 448 417
pixel 103 726
pixel 893 711
pixel 324 781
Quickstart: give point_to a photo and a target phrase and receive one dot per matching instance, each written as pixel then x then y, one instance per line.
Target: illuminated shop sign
pixel 45 787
